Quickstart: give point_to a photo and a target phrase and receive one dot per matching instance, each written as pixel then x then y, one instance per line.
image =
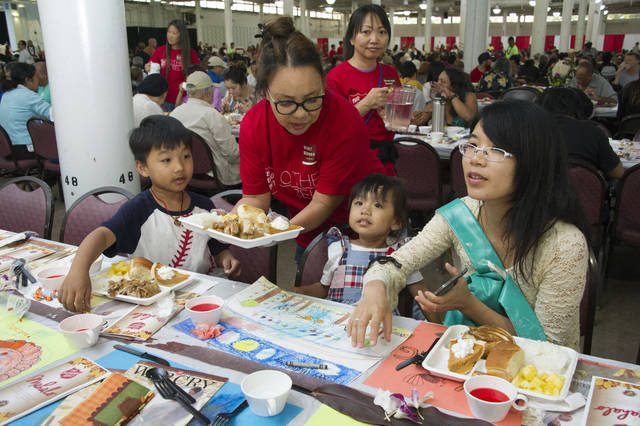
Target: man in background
pixel 484 65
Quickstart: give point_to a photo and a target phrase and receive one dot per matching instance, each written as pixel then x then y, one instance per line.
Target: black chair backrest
pixel 418 165
pixel 629 126
pixel 592 189
pixel 5 146
pixel 202 157
pixel 312 261
pixel 588 302
pixel 43 136
pixel 626 222
pixel 523 93
pixel 458 184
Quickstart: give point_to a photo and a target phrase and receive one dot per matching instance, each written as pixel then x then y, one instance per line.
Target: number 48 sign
pixel 73 181
pixel 123 178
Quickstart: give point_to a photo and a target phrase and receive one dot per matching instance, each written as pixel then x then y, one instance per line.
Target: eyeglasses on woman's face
pixel 490 154
pixel 290 107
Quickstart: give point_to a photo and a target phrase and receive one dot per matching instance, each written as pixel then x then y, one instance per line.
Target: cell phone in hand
pixel 450 283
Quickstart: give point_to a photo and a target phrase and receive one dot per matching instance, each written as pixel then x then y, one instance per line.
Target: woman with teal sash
pixel 519 234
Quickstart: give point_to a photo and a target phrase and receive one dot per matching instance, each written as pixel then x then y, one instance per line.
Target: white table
pixel 632 150
pixel 225 289
pixel 443 149
pixel 608 112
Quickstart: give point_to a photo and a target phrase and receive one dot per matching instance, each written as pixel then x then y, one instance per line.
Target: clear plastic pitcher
pixel 398 108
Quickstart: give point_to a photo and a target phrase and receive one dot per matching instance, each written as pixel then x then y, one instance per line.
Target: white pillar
pixel 378 2
pixel 287 7
pixel 539 26
pixel 475 32
pixel 463 17
pixel 504 24
pixel 595 30
pixel 565 26
pixel 8 17
pixel 590 18
pixel 93 116
pixel 354 5
pixel 199 34
pixel 304 18
pixel 427 26
pixel 582 10
pixel 228 23
pixel 261 13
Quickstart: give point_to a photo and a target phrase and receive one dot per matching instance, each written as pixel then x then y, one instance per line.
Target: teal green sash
pixel 500 294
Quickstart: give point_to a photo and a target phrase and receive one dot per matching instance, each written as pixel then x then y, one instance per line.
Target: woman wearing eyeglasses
pixel 519 234
pixel 300 144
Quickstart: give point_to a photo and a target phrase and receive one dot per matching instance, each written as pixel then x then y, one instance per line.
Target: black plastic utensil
pixel 167 391
pixel 157 374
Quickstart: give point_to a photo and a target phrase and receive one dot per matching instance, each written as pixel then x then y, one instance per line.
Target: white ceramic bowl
pixel 436 136
pixel 452 131
pixel 205 318
pixel 52 278
pixel 266 391
pixel 424 129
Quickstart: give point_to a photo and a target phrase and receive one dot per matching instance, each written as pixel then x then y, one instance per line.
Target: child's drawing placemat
pixel 26 346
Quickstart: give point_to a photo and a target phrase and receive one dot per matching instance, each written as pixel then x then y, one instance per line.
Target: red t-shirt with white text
pixel 354 84
pixel 330 157
pixel 175 71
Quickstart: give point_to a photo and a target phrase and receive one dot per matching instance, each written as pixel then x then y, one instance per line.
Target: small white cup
pixel 52 278
pixel 413 128
pixel 205 318
pixel 424 129
pixel 493 411
pixel 266 391
pixel 82 330
pixel 453 131
pixel 436 137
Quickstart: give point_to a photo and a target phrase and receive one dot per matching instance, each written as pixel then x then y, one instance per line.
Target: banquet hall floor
pixel 616 334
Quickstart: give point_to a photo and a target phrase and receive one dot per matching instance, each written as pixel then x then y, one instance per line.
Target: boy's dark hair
pixel 157 131
pixel 380 185
pixel 408 69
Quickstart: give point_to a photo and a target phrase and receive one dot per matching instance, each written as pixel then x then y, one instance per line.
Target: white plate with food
pixel 540 369
pixel 139 281
pixel 249 228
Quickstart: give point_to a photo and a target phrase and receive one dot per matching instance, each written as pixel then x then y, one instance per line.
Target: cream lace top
pixel 554 290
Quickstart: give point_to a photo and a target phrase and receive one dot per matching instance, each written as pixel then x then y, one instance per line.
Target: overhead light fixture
pixel 532 3
pixel 331 1
pixel 598 1
pixel 496 10
pixel 278 3
pixel 423 6
pixel 606 12
pixel 15 13
pixel 328 9
pixel 602 6
pixel 407 12
pixel 556 13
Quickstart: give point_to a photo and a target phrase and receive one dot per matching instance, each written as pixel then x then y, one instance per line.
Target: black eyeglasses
pixel 290 107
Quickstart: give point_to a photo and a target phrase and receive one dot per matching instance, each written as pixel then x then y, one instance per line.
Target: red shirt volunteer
pixel 176 76
pixel 476 75
pixel 354 85
pixel 330 157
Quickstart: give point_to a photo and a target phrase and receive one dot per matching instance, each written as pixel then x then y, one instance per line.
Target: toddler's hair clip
pixel 385 259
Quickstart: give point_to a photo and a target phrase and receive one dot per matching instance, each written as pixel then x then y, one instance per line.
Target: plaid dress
pixel 346 284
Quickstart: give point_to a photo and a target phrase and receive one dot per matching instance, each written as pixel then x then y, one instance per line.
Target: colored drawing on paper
pixel 241 343
pixel 17 356
pixel 41 347
pixel 296 317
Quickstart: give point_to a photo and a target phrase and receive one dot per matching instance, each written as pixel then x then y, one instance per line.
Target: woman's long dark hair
pixel 459 83
pixel 355 25
pixel 542 193
pixel 185 47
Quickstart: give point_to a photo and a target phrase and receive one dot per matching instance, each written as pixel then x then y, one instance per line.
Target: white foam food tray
pixel 436 362
pixel 266 240
pixel 100 285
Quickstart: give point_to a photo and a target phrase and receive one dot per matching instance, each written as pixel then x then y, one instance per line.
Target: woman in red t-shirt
pixel 364 81
pixel 303 146
pixel 177 42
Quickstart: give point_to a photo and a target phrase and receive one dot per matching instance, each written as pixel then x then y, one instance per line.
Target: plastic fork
pixel 224 418
pixel 168 392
